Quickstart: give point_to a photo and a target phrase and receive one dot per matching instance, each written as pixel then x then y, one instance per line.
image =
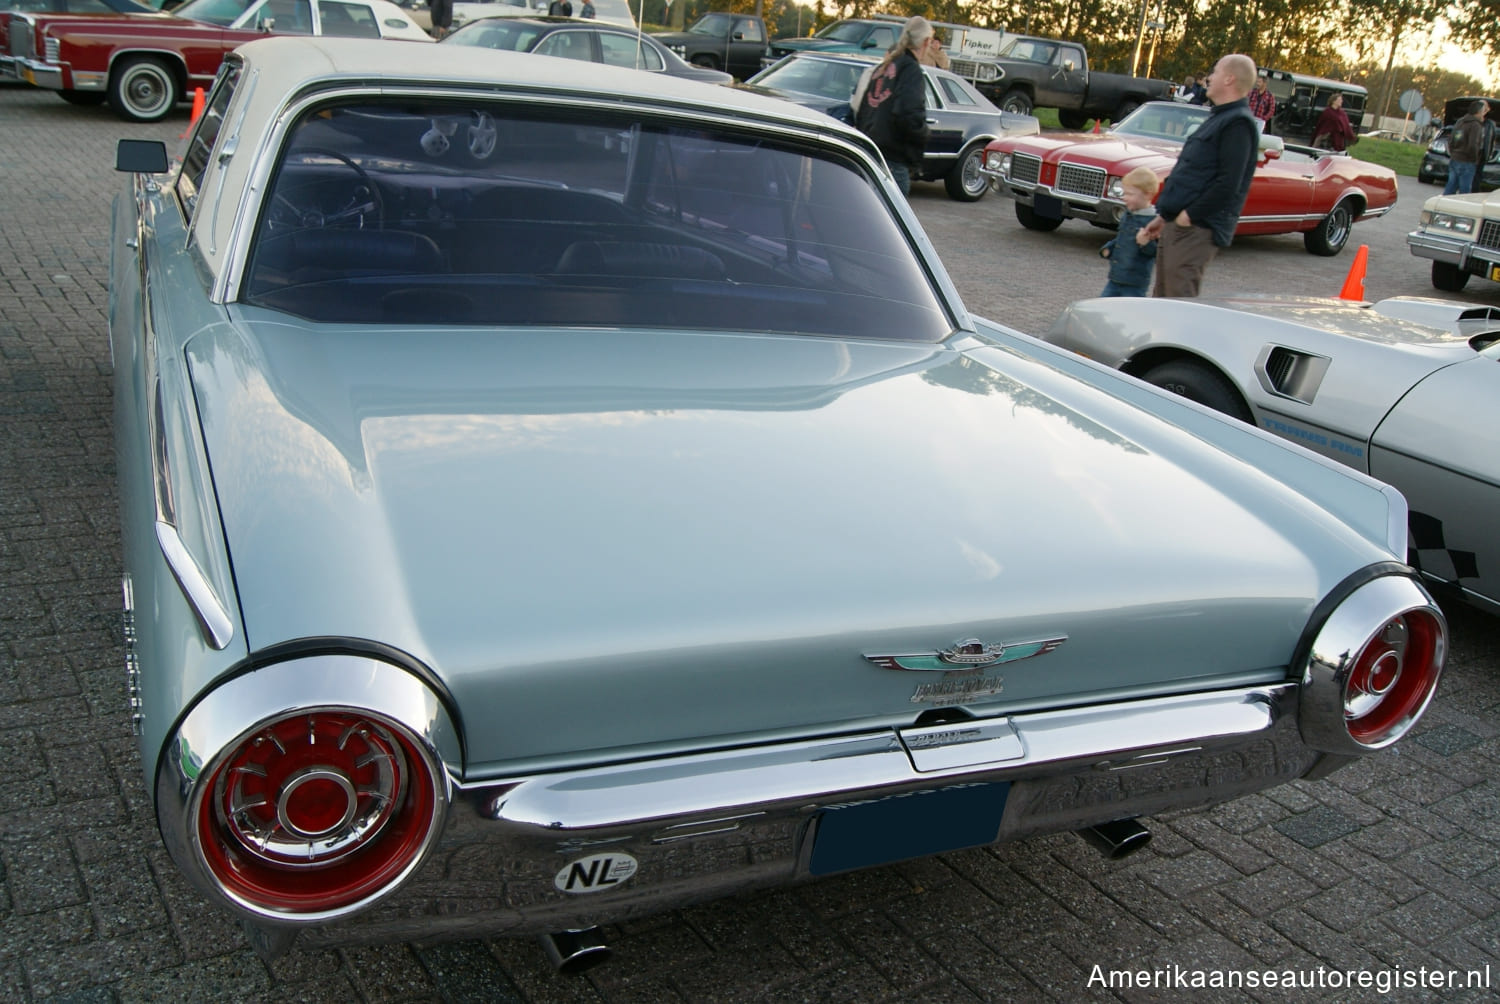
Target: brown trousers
pixel 1181 257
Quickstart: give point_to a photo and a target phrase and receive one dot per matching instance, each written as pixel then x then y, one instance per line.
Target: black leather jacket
pixel 894 110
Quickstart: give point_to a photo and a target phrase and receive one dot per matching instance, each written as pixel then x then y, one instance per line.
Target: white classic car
pixel 1461 234
pixel 614 506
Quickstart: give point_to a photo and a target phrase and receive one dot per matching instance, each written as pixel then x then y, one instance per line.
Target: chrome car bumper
pixel 1466 255
pixel 1045 198
pixel 696 827
pixel 48 75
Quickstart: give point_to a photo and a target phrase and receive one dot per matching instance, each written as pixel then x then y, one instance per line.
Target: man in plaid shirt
pixel 1262 103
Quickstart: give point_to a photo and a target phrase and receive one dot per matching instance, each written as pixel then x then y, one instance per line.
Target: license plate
pixel 911 825
pixel 1046 206
pixel 30 77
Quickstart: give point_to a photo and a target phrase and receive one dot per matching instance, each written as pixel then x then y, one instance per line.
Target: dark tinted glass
pixel 507 214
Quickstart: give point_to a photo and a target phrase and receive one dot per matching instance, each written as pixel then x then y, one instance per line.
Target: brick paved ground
pixel 1392 863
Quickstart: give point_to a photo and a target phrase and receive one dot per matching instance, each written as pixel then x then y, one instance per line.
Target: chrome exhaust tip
pixel 574 951
pixel 1117 839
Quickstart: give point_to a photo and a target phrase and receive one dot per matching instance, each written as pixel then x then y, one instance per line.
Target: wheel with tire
pixel 1031 221
pixel 1126 107
pixel 1016 102
pixel 1200 382
pixel 143 89
pixel 84 98
pixel 1332 232
pixel 963 181
pixel 1448 278
pixel 706 61
pixel 1070 119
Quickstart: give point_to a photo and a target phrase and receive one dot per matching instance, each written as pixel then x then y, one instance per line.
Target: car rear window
pixel 511 214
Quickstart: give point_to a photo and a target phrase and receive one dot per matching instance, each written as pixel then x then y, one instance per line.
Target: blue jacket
pixel 1212 176
pixel 1130 263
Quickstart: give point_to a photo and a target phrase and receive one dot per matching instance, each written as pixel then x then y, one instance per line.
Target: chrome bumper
pixel 46 75
pixel 1466 255
pixel 1072 205
pixel 696 827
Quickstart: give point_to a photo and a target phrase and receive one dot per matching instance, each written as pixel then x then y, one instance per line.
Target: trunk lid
pixel 612 542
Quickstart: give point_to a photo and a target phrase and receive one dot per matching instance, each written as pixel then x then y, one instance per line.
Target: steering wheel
pixel 309 195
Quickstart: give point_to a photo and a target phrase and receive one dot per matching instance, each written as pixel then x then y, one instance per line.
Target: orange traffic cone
pixel 1354 285
pixel 1096 127
pixel 197 112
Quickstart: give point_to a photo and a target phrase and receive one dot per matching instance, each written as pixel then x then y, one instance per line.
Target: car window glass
pixel 220 12
pixel 929 93
pixel 883 38
pixel 499 214
pixel 712 25
pixel 955 93
pixel 751 32
pixel 285 17
pixel 567 45
pixel 496 33
pixel 351 20
pixel 195 159
pixel 624 50
pixel 1068 54
pixel 84 7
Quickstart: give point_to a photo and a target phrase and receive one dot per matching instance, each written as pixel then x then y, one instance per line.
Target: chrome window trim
pixel 217 626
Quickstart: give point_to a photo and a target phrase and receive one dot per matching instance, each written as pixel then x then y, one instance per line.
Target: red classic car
pixel 1297 189
pixel 145 63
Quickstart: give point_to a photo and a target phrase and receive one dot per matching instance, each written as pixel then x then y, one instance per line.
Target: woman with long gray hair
pixel 890 106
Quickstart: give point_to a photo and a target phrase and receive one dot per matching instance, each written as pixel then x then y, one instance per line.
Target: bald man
pixel 1201 201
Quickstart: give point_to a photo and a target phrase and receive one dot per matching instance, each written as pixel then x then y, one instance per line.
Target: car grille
pixel 973 69
pixel 20 39
pixel 1025 168
pixel 1075 180
pixel 1489 234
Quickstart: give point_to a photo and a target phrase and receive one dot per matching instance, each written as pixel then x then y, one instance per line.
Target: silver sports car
pixel 1405 390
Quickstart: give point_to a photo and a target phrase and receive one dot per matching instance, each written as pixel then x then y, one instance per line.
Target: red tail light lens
pixel 1393 677
pixel 1372 667
pixel 318 811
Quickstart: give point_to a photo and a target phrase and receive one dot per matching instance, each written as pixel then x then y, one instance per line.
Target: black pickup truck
pixel 735 43
pixel 1048 73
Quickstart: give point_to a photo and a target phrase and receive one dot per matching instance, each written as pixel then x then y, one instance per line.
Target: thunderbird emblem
pixel 970 653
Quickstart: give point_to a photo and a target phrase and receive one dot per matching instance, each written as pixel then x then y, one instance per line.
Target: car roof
pixel 299 62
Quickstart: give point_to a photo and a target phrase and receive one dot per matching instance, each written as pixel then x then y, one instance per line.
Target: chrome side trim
pixel 1337 646
pixel 1104 737
pixel 239 707
pixel 212 615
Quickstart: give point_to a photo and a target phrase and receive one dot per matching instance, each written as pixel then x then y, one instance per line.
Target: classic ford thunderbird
pixel 613 506
pixel 1296 189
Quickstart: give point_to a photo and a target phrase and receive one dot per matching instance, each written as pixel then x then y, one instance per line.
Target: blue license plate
pixel 911 825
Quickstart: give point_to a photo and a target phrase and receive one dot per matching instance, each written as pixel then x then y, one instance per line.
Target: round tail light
pixel 1373 667
pixel 317 812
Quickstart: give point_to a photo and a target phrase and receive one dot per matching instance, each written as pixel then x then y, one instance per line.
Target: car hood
pixel 1099 150
pixel 607 543
pixel 1485 204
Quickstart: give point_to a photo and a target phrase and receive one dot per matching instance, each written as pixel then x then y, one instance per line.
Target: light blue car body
pixel 643 576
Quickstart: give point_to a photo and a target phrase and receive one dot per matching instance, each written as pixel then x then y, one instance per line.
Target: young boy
pixel 1131 254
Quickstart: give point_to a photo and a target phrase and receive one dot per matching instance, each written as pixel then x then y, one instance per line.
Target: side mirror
pixel 868 43
pixel 1068 65
pixel 268 24
pixel 141 156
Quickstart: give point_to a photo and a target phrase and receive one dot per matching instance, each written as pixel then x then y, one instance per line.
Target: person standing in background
pixel 441 12
pixel 1262 103
pixel 891 103
pixel 1333 131
pixel 1466 149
